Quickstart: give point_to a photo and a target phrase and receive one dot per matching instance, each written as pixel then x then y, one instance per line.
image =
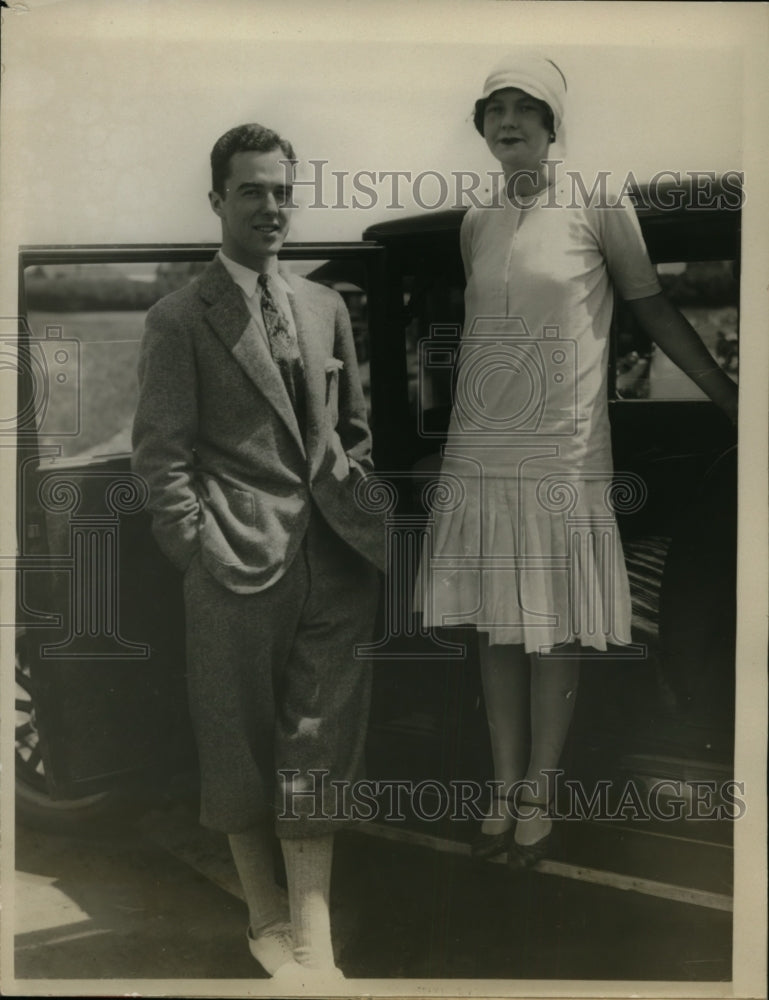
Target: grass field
pixel 91 386
pixel 87 404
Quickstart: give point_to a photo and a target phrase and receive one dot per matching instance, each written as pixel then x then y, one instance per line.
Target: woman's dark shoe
pixel 489 845
pixel 520 856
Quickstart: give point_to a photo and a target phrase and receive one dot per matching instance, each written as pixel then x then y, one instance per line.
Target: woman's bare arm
pixel 673 333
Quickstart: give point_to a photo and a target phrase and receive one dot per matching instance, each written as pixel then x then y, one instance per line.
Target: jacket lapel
pixel 230 319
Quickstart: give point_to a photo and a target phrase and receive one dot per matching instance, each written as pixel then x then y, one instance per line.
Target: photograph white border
pixel 743 25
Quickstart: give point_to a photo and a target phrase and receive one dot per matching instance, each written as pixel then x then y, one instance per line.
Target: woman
pixel 526 547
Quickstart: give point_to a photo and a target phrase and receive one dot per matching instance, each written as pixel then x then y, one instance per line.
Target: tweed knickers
pixel 274 686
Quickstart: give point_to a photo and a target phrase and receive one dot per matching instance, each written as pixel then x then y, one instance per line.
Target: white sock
pixel 252 853
pixel 308 870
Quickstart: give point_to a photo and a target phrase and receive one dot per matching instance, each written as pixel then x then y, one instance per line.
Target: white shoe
pixel 274 947
pixel 294 975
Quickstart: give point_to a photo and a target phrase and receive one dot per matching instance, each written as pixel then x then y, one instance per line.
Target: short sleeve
pixel 624 250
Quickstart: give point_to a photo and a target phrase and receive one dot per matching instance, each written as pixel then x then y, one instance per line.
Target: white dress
pixel 522 541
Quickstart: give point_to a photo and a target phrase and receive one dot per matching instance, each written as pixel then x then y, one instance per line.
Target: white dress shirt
pixel 246 280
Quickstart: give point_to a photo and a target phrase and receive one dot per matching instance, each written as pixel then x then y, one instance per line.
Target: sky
pixel 112 108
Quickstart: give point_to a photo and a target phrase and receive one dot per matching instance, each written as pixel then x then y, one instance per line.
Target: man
pixel 251 433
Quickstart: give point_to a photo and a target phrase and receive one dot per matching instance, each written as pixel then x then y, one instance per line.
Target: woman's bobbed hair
pixel 548 119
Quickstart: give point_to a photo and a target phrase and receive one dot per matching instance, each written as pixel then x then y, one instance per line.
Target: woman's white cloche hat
pixel 533 73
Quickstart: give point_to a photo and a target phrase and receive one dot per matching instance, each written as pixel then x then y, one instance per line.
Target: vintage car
pixel 101 705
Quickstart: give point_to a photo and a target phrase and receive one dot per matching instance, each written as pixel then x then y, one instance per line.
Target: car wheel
pixel 35 808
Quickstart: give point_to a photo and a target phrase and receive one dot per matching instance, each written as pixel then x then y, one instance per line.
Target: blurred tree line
pixel 703 283
pixel 105 289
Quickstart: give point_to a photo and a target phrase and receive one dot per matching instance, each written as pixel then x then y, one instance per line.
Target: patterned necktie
pixel 283 343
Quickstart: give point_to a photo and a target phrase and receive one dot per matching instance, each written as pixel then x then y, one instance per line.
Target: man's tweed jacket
pixel 230 472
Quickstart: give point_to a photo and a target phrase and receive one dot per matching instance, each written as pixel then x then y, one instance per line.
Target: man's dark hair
pixel 251 138
pixel 480 110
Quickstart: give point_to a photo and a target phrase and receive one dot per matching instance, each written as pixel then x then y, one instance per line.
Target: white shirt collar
pixel 246 278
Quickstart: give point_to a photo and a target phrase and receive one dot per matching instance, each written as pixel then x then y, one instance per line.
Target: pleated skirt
pixel 541 569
